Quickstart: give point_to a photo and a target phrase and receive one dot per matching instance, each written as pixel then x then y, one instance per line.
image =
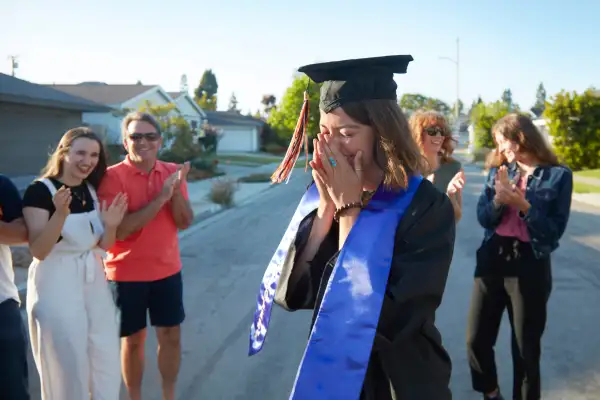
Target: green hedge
pixel 574 124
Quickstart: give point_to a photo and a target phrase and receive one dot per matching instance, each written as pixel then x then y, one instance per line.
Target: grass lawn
pixel 580 187
pixel 266 176
pixel 590 173
pixel 245 159
pixel 254 160
pixel 255 178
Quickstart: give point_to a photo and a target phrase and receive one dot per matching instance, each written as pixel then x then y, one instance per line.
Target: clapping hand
pixel 62 201
pixel 507 193
pixel 113 214
pixel 182 173
pixel 457 183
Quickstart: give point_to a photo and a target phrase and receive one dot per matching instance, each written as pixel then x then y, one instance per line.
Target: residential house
pixel 33 118
pixel 121 98
pixel 189 109
pixel 241 133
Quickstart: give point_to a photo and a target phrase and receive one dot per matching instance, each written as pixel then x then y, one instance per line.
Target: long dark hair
pixel 519 129
pixel 395 151
pixel 54 166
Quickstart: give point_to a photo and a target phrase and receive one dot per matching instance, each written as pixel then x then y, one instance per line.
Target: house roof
pixel 175 95
pixel 19 91
pixel 104 93
pixel 228 118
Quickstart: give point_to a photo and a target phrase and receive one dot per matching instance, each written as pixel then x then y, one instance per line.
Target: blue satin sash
pixel 338 351
pixel 262 315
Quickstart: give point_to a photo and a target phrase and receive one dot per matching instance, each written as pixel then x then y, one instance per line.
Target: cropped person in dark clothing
pixel 368 250
pixel 524 209
pixel 14 380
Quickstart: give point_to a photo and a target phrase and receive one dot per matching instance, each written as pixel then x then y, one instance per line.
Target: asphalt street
pixel 224 260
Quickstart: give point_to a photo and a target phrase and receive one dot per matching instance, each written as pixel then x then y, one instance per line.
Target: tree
pixel 283 119
pixel 461 106
pixel 483 117
pixel 473 105
pixel 208 85
pixel 507 98
pixel 268 101
pixel 540 101
pixel 233 104
pixel 183 84
pixel 206 92
pixel 411 102
pixel 574 125
pixel 207 103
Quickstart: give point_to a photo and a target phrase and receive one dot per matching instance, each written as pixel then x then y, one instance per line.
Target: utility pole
pixel 14 64
pixel 457 63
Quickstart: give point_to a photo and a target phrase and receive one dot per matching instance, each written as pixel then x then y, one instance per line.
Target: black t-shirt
pixel 38 195
pixel 11 206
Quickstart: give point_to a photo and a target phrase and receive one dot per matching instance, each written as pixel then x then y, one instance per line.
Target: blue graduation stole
pixel 338 351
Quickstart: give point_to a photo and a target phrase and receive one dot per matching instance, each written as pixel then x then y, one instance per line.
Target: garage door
pixel 237 139
pixel 29 134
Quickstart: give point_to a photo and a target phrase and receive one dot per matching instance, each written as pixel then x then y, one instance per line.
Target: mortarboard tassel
pixel 284 171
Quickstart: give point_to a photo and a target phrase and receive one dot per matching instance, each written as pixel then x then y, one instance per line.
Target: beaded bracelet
pixel 356 204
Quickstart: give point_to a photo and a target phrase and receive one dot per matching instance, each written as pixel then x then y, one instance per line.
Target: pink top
pixel 512 225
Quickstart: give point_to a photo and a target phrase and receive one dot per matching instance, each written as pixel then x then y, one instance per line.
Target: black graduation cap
pixel 354 80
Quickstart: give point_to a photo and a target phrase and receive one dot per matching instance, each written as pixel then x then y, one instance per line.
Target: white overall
pixel 73 320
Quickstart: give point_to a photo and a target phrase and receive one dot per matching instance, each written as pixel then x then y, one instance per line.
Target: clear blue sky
pixel 255 47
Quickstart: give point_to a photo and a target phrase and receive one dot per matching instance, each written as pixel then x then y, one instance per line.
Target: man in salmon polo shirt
pixel 144 265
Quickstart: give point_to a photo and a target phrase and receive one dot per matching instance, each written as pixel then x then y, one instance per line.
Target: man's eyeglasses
pixel 151 137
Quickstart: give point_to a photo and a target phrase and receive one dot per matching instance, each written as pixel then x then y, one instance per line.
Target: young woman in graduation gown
pixel 369 250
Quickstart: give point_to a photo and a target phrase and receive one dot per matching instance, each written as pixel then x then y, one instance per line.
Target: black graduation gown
pixel 408 361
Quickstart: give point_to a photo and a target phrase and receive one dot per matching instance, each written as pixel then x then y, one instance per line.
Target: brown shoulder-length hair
pixel 421 120
pixel 54 167
pixel 519 128
pixel 395 151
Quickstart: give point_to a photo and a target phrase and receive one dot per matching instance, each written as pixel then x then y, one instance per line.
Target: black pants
pixel 521 285
pixel 14 383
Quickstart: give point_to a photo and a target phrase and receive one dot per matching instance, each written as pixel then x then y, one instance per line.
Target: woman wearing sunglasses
pixel 433 135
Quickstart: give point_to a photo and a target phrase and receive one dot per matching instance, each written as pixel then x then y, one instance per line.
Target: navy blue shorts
pixel 14 381
pixel 162 300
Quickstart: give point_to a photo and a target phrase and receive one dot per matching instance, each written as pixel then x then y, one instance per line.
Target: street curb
pixel 200 221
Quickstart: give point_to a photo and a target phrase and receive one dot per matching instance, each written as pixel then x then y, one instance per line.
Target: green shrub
pixel 574 124
pixel 170 156
pixel 205 163
pixel 483 117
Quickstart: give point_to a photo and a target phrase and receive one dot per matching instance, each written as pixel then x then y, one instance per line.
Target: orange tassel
pixel 284 171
